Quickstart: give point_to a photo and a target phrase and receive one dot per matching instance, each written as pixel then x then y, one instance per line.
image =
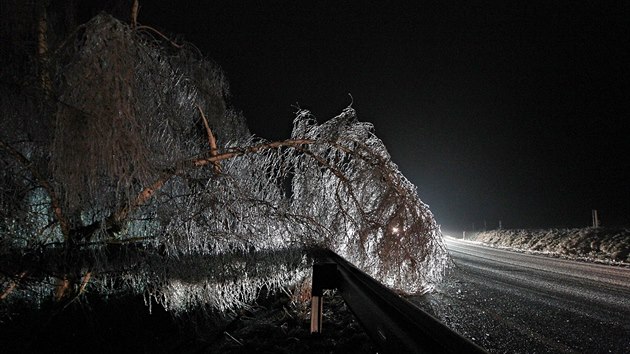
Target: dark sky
pixel 511 111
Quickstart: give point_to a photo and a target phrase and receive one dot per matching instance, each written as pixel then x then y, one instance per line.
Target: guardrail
pixel 395 324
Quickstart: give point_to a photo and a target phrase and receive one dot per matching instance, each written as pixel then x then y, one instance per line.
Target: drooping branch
pixel 149 191
pixel 153 30
pixel 113 222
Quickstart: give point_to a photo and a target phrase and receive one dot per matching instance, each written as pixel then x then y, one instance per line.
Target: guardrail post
pixel 324 277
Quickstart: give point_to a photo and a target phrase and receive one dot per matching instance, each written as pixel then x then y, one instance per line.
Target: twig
pixel 287 312
pixel 85 281
pixel 234 339
pixel 12 286
pixel 178 46
pixel 62 288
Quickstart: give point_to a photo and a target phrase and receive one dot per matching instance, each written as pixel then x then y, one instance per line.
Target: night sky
pixel 498 111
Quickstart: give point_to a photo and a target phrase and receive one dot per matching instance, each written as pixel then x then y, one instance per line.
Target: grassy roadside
pixel 605 245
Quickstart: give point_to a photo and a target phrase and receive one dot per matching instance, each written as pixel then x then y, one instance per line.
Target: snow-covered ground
pixel 606 245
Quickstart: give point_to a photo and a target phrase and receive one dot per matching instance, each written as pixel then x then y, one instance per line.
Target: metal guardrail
pixel 395 324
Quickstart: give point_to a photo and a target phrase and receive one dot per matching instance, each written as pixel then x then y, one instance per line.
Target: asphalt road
pixel 515 302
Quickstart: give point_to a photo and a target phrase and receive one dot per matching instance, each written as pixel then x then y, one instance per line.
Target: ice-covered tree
pixel 123 169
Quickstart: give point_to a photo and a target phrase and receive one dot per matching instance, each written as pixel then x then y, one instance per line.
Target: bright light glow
pixel 395 229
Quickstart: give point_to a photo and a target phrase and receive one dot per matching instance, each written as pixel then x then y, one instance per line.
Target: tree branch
pixel 112 223
pixel 140 199
pixel 252 149
pixel 178 46
pixel 42 49
pixel 54 199
pixel 212 141
pixel 134 13
pixel 12 286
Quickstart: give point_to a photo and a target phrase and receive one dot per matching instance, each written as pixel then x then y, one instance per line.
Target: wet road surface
pixel 515 302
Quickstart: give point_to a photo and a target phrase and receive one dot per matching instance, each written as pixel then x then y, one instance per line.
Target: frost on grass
pixel 595 244
pixel 130 174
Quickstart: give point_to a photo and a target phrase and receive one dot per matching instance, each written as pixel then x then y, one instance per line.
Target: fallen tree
pixel 129 145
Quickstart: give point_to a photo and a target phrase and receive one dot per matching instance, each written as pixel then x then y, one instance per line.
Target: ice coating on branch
pixel 372 214
pixel 339 190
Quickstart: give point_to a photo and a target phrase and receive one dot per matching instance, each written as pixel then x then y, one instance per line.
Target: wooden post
pixel 595 218
pixel 324 277
pixel 317 307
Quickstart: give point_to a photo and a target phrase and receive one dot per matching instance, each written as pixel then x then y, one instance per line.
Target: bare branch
pixel 151 29
pixel 134 13
pixel 86 279
pixel 140 199
pixel 42 50
pixel 54 199
pixel 149 191
pixel 253 149
pixel 12 286
pixel 212 141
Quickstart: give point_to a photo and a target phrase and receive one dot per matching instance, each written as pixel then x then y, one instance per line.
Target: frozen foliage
pixel 145 123
pixel 218 282
pixel 369 212
pixel 597 244
pixel 131 174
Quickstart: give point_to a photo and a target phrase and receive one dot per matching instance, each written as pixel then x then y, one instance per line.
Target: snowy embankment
pixel 607 245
